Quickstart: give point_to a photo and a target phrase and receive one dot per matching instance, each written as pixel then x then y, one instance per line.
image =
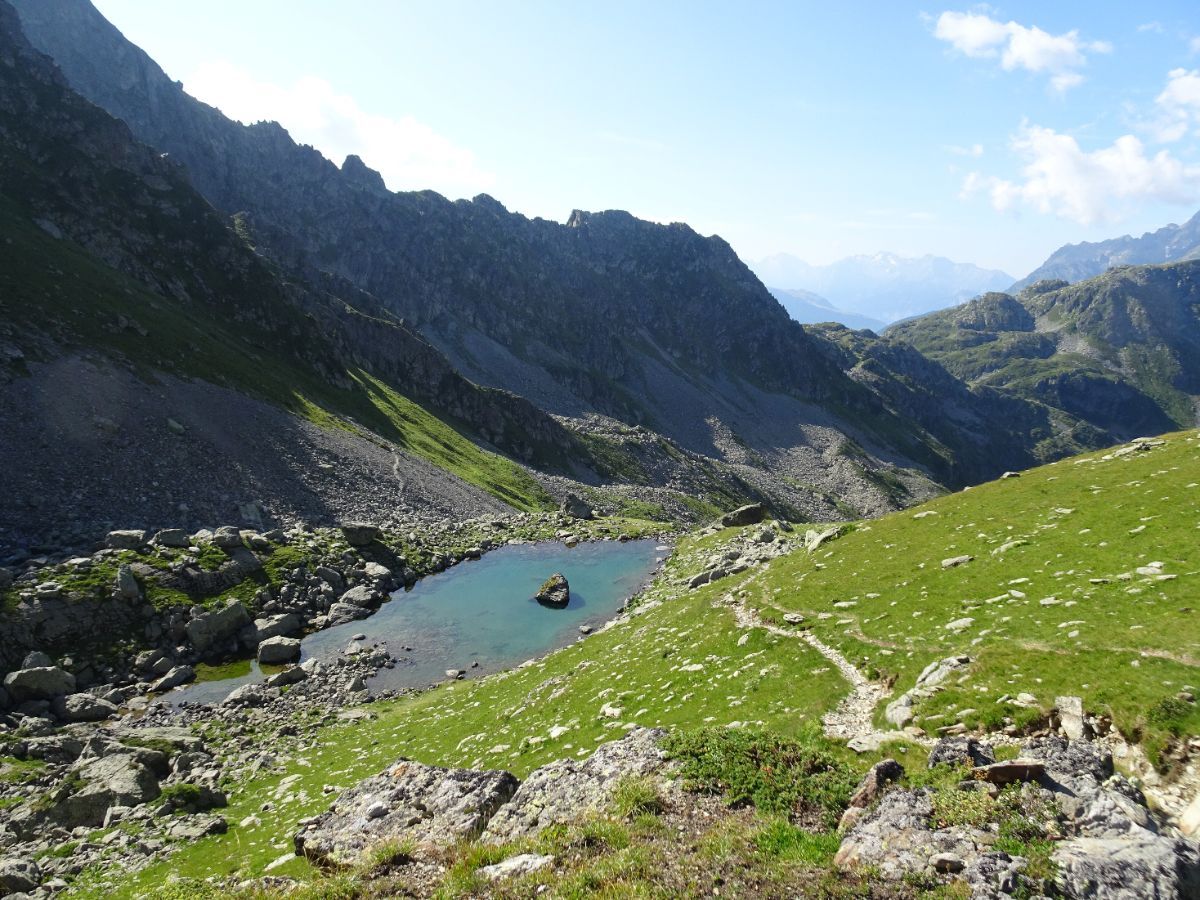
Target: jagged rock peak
pixel 361 174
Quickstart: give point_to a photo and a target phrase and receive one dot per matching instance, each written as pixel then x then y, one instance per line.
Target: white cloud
pixel 1154 26
pixel 1060 178
pixel 1194 45
pixel 1059 56
pixel 975 150
pixel 1178 105
pixel 409 154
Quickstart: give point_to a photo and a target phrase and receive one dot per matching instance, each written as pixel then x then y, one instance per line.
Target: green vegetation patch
pixel 776 774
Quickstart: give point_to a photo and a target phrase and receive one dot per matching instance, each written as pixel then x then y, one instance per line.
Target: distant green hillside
pixel 1115 356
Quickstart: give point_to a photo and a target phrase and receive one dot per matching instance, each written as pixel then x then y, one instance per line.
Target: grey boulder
pixel 276 650
pixel 126 539
pixel 19 875
pixel 174 678
pixel 360 534
pixel 38 683
pixel 209 628
pixel 82 708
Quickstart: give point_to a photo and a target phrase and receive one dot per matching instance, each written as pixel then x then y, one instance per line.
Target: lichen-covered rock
pixel 569 789
pixel 960 751
pixel 1116 848
pixel 19 875
pixel 1129 868
pixel 428 804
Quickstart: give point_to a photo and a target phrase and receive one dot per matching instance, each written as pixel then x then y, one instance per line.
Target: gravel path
pixel 853 716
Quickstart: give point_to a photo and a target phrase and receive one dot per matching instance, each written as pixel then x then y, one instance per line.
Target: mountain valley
pixel 919 618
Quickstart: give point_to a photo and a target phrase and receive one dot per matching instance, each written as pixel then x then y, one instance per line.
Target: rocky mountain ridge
pixel 1076 262
pixel 649 325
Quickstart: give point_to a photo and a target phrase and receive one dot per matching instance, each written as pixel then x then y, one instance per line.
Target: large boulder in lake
pixel 554 592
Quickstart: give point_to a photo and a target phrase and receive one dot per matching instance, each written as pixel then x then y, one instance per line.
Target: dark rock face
pixel 554 592
pixel 750 514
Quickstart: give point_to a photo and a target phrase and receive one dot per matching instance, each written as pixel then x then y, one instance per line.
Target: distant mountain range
pixel 883 286
pixel 1075 262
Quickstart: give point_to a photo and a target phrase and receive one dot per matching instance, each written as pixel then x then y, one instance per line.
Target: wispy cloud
pixel 1060 178
pixel 1178 106
pixel 1016 46
pixel 409 154
pixel 1155 27
pixel 975 150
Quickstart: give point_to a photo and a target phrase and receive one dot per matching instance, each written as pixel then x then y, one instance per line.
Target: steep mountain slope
pixel 109 250
pixel 1117 355
pixel 808 308
pixel 884 286
pixel 652 325
pixel 1075 262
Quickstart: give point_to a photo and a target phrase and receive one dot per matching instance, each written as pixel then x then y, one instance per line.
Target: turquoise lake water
pixel 482 612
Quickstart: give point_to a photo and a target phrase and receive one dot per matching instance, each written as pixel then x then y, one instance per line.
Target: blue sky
pixel 989 134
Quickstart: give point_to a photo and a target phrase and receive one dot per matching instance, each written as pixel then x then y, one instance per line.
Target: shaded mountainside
pixel 158 371
pixel 652 325
pixel 1075 262
pixel 1116 356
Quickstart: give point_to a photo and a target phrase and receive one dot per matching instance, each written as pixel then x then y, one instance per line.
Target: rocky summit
pixel 361 543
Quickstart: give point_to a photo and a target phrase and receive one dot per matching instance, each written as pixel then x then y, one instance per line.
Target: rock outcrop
pixel 433 806
pixel 430 805
pixel 1114 846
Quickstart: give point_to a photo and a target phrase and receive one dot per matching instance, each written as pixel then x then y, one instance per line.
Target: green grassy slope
pixel 1056 602
pixel 1064 612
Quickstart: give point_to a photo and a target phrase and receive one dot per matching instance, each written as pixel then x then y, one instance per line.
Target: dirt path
pixel 853 716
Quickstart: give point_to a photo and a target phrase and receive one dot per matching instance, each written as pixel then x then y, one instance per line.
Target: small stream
pixel 480 612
